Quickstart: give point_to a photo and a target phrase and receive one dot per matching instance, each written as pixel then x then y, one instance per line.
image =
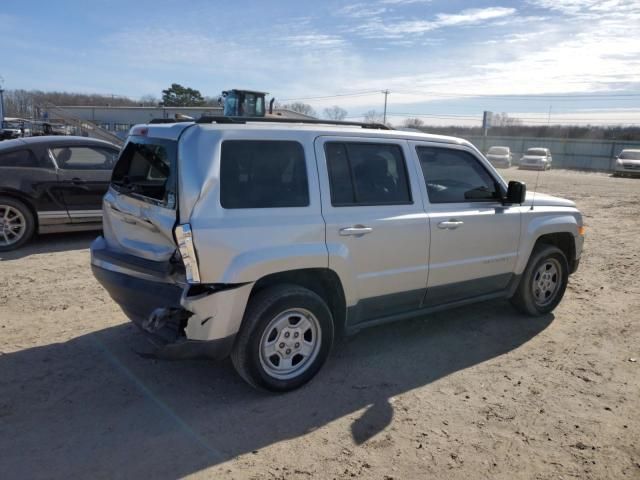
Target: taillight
pixel 141 131
pixel 184 237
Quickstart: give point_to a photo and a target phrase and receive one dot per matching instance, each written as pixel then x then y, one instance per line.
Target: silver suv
pixel 263 240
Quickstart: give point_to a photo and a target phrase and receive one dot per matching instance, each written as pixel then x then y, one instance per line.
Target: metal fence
pixel 567 153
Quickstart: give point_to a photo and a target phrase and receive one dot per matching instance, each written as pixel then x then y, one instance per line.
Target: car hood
pixel 630 161
pixel 533 157
pixel 497 155
pixel 542 199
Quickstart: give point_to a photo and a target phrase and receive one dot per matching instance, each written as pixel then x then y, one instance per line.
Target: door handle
pixel 450 224
pixel 77 181
pixel 356 231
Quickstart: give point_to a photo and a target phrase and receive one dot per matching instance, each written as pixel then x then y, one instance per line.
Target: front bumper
pixel 627 170
pixel 153 302
pixel 500 163
pixel 533 166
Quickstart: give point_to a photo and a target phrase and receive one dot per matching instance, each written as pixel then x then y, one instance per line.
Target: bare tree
pixel 335 113
pixel 149 100
pixel 300 107
pixel 504 120
pixel 413 123
pixel 372 116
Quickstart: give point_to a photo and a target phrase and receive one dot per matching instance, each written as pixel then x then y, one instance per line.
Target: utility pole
pixel 384 115
pixel 549 117
pixel 1 107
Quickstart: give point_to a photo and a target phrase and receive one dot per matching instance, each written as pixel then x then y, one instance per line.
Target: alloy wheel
pixel 13 225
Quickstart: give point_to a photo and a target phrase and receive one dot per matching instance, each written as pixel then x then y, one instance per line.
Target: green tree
pixel 178 96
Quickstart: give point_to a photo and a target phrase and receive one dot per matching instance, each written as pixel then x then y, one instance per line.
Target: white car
pixel 628 163
pixel 263 239
pixel 536 158
pixel 500 156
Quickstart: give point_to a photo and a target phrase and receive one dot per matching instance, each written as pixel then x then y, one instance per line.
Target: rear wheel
pixel 17 224
pixel 285 339
pixel 543 282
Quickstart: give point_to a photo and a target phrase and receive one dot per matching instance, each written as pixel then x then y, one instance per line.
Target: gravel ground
pixel 477 392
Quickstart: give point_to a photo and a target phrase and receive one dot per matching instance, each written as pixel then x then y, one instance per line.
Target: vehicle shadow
pixel 51 243
pixel 93 407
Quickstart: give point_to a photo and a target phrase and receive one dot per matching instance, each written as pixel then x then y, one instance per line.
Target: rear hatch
pixel 140 207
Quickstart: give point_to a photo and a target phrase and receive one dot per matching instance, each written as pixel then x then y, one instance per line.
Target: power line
pixel 531 96
pixel 539 120
pixel 354 94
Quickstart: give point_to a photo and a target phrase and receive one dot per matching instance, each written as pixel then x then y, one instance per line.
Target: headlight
pixel 184 238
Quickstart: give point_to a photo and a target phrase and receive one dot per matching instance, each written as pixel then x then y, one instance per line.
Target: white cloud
pixel 473 16
pixel 360 10
pixel 403 2
pixel 380 28
pixel 315 40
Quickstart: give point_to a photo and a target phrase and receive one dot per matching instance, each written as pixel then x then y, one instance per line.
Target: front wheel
pixel 543 282
pixel 286 335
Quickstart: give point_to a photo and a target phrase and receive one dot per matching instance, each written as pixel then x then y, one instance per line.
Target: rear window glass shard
pixel 146 168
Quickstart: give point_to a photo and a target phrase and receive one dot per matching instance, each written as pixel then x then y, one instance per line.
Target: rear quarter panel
pixel 242 245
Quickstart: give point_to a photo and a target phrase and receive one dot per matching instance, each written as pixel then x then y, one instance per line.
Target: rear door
pixel 376 227
pixel 84 172
pixel 140 205
pixel 474 237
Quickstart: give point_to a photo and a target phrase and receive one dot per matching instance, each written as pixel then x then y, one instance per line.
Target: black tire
pixel 262 309
pixel 29 223
pixel 524 299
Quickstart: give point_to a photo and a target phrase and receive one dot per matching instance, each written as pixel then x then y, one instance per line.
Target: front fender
pixel 545 221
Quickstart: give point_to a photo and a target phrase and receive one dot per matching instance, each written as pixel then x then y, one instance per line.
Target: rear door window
pixel 367 174
pixel 263 174
pixel 146 169
pixel 85 158
pixel 19 158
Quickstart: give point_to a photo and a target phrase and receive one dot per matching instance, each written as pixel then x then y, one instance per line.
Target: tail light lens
pixel 184 237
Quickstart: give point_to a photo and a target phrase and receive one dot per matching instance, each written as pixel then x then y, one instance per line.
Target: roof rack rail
pixel 244 120
pixel 169 120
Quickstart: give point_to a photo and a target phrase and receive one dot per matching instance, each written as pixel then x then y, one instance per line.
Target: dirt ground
pixel 477 392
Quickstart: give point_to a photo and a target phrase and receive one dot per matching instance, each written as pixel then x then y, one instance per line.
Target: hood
pixel 497 155
pixel 629 161
pixel 542 199
pixel 534 157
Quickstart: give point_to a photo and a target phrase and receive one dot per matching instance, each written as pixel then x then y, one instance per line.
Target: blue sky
pixel 432 55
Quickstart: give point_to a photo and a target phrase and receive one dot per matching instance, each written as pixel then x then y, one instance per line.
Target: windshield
pixel 498 150
pixel 537 152
pixel 630 155
pixel 146 169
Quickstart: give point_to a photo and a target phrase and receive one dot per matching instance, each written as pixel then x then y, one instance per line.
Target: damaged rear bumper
pixel 179 322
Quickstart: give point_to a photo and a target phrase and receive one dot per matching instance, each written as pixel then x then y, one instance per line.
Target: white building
pixel 120 119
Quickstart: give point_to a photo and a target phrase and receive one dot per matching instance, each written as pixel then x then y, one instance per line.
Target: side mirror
pixel 516 192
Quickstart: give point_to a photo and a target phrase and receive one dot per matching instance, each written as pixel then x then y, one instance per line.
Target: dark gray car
pixel 52 184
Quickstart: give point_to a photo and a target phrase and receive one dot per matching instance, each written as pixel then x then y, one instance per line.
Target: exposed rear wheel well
pixel 564 241
pixel 323 281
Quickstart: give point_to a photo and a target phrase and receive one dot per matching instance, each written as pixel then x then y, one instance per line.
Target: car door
pixel 376 228
pixel 84 172
pixel 474 237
